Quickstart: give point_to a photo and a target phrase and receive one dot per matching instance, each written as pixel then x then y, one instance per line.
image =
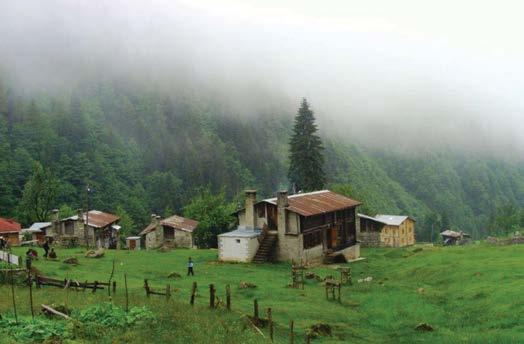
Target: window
pixel 313 239
pixel 69 228
pixel 169 233
pixel 261 211
pixel 238 241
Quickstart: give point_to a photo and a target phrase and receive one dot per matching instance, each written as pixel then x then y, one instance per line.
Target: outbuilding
pixel 133 243
pixel 240 245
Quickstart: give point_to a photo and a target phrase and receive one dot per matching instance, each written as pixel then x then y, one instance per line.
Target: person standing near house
pixel 46 248
pixel 190 267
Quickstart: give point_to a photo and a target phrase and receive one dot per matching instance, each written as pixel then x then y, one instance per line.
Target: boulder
pixel 319 329
pixel 425 327
pixel 246 285
pixel 99 253
pixel 71 260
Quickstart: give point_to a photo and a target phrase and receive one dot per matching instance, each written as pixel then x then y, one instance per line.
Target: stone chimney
pixel 56 221
pixel 158 229
pixel 251 199
pixel 282 203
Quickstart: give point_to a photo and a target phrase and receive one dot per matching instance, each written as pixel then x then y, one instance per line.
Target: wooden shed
pixel 133 243
pixel 10 231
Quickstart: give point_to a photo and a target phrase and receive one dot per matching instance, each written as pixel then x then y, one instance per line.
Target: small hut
pixel 133 243
pixel 10 231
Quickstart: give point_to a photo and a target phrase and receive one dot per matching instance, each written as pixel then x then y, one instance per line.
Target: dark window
pixel 169 233
pixel 313 221
pixel 261 211
pixel 313 239
pixel 69 228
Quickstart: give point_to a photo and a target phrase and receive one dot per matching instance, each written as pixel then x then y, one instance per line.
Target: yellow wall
pixel 398 236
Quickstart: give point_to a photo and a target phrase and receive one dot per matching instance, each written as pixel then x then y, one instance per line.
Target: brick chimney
pixel 282 203
pixel 251 199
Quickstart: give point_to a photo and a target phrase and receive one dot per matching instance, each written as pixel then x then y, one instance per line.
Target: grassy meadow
pixel 472 294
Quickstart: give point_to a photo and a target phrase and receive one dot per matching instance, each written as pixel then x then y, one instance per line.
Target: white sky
pixel 408 72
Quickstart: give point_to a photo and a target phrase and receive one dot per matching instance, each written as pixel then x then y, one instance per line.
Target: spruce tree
pixel 306 171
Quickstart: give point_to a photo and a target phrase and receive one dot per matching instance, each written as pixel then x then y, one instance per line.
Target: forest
pixel 144 151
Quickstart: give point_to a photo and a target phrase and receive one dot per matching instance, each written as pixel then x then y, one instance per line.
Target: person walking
pixel 190 267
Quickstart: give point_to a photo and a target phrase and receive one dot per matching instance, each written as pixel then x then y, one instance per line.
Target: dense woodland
pixel 144 152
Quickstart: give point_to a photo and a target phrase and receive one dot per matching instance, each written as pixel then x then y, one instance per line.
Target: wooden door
pixel 132 244
pixel 334 237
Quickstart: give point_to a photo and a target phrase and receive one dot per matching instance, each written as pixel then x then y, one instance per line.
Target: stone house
pixel 93 228
pixel 306 227
pixel 10 231
pixel 38 231
pixel 386 230
pixel 176 231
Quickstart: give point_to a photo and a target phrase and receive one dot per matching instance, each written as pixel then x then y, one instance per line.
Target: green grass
pixel 468 294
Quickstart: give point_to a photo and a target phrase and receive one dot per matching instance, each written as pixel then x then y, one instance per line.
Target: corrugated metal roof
pixel 370 218
pixel 40 225
pixel 99 219
pixel 391 220
pixel 9 226
pixel 151 227
pixel 317 202
pixel 180 222
pixel 242 232
pixel 175 221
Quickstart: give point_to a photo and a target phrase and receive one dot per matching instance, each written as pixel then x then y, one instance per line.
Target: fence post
pixel 255 309
pixel 291 333
pixel 12 286
pixel 228 297
pixel 114 287
pixel 193 291
pixel 127 295
pixel 95 287
pixel 146 287
pixel 168 291
pixel 270 321
pixel 211 296
pixel 31 295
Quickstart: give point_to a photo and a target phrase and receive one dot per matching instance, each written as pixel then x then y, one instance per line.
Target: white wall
pixel 237 249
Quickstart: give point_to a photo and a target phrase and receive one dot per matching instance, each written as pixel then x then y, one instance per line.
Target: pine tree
pixel 306 171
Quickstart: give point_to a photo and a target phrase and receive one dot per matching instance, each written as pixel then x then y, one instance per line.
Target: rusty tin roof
pixel 175 221
pixel 99 219
pixel 317 202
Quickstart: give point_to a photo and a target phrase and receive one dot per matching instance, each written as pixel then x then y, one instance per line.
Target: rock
pixel 421 290
pixel 424 327
pixel 174 275
pixel 246 285
pixel 71 260
pixel 492 240
pixel 95 253
pixel 319 329
pixel 368 279
pixel 311 275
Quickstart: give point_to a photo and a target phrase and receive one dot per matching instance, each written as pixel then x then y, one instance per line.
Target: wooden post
pixel 211 296
pixel 333 291
pixel 255 309
pixel 12 286
pixel 146 287
pixel 339 292
pixel 114 287
pixel 85 286
pixel 193 292
pixel 291 333
pixel 308 338
pixel 31 295
pixel 327 292
pixel 228 297
pixel 127 295
pixel 95 287
pixel 168 291
pixel 270 323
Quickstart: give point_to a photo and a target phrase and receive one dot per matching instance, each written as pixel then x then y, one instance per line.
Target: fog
pixel 397 74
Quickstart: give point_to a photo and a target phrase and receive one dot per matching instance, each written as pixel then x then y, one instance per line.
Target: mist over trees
pixel 143 152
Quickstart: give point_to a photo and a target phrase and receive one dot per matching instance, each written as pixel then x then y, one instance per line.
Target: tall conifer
pixel 306 172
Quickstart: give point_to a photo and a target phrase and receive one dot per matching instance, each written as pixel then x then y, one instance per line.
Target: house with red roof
pixel 10 231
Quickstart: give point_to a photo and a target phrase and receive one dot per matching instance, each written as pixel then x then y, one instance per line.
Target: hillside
pixel 143 151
